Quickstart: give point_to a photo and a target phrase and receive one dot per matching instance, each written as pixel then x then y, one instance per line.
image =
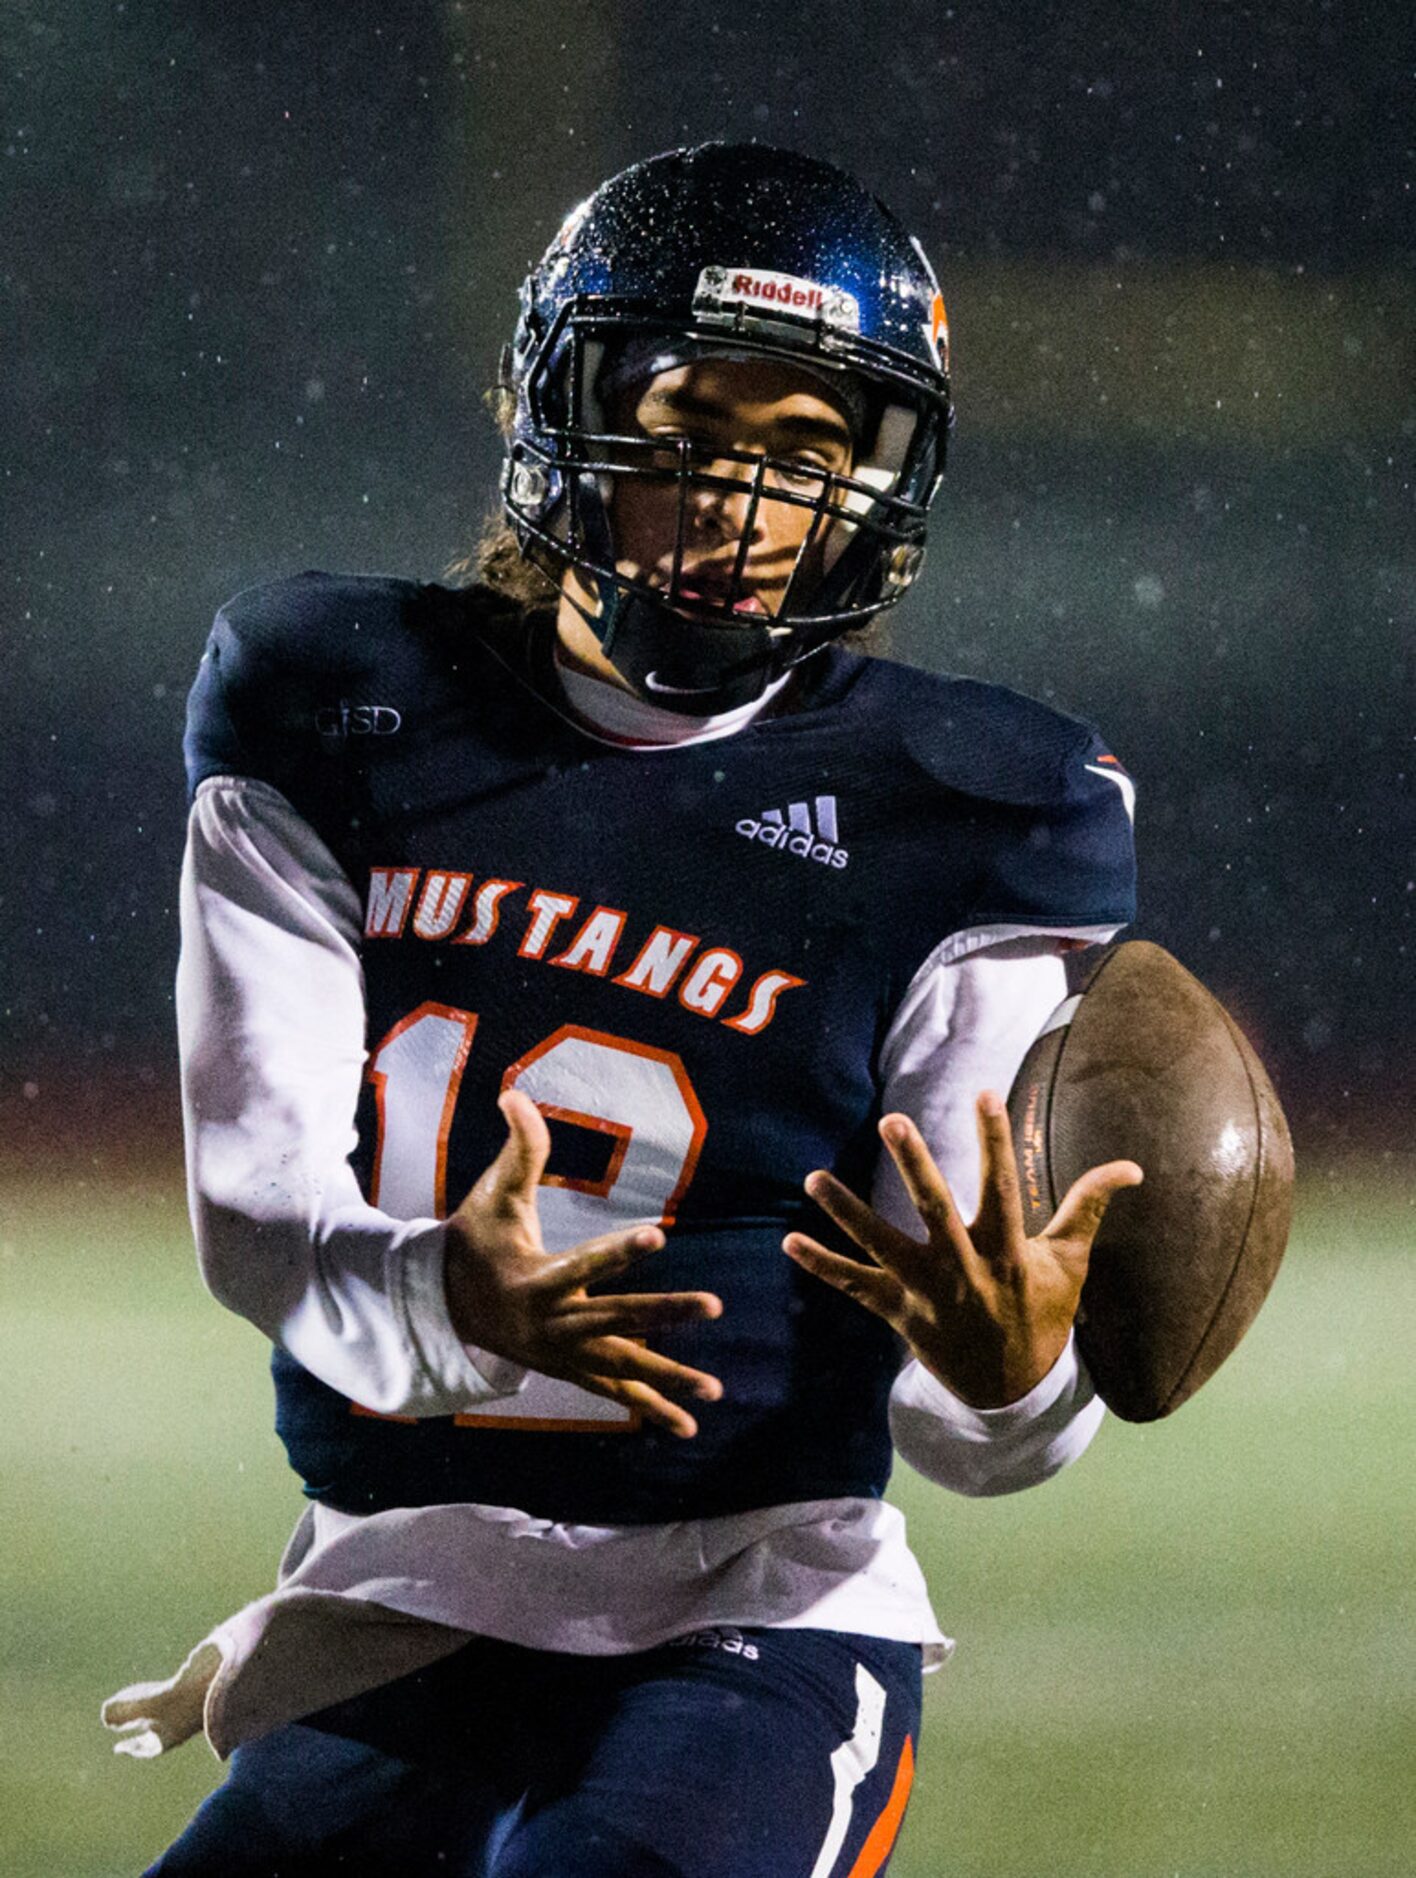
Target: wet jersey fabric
pixel 688 958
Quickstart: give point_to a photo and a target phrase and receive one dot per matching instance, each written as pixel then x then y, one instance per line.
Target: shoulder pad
pixel 284 660
pixel 1057 805
pixel 980 739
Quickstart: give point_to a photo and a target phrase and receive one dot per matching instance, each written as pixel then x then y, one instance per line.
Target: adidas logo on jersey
pixel 795 832
pixel 717 1637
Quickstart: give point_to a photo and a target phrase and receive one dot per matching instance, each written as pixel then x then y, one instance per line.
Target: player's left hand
pixel 985 1309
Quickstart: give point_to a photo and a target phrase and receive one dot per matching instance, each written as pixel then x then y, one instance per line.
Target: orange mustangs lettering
pixel 553 927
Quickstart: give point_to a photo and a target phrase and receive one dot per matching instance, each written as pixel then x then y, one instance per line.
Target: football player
pixel 588 974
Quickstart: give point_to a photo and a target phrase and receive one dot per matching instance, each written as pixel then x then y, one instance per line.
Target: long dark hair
pixel 495 560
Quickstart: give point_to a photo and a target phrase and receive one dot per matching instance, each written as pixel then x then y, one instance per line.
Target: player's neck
pixel 620 715
pixel 602 699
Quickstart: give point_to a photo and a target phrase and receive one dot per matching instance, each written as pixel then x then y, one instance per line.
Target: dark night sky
pixel 257 263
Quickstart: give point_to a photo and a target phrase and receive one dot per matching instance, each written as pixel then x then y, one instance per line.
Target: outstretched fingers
pixel 514 1176
pixel 885 1243
pixel 646 1402
pixel 859 1221
pixel 998 1225
pixel 930 1196
pixel 640 1314
pixel 597 1336
pixel 1078 1219
pixel 928 1190
pixel 878 1290
pixel 595 1260
pixel 641 1379
pixel 634 1362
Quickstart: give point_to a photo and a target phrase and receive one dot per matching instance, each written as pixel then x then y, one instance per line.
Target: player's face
pixel 728 406
pixel 722 405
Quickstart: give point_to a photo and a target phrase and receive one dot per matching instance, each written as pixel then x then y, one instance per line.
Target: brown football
pixel 1144 1064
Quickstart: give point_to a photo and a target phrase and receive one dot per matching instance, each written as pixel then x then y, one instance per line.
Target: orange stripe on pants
pixel 881 1837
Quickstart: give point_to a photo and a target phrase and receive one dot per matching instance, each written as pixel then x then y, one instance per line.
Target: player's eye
pixel 666 452
pixel 679 436
pixel 801 472
pixel 678 444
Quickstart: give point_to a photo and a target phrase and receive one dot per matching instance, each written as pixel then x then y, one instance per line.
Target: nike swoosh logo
pixel 653 682
pixel 1123 783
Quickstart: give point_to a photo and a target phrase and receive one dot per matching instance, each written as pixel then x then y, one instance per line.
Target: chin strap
pixel 682 664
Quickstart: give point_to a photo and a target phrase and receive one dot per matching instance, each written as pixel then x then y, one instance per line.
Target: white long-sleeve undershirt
pixel 270 1020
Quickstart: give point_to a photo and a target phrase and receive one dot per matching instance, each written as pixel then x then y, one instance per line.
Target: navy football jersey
pixel 689 958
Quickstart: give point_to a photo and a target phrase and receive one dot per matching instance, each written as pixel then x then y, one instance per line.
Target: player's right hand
pixel 507 1294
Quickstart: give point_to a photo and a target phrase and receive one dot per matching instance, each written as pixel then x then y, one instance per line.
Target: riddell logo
pixel 724 295
pixel 804 294
pixel 795 834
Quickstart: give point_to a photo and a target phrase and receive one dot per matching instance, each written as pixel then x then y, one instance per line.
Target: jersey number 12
pixel 638 1096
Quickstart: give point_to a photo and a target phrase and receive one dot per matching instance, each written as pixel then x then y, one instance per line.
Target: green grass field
pixel 1191 1656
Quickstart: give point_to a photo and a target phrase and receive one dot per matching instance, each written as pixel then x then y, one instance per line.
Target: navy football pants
pixel 729 1754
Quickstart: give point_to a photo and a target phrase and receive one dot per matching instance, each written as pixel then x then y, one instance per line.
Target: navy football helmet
pixel 734 251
